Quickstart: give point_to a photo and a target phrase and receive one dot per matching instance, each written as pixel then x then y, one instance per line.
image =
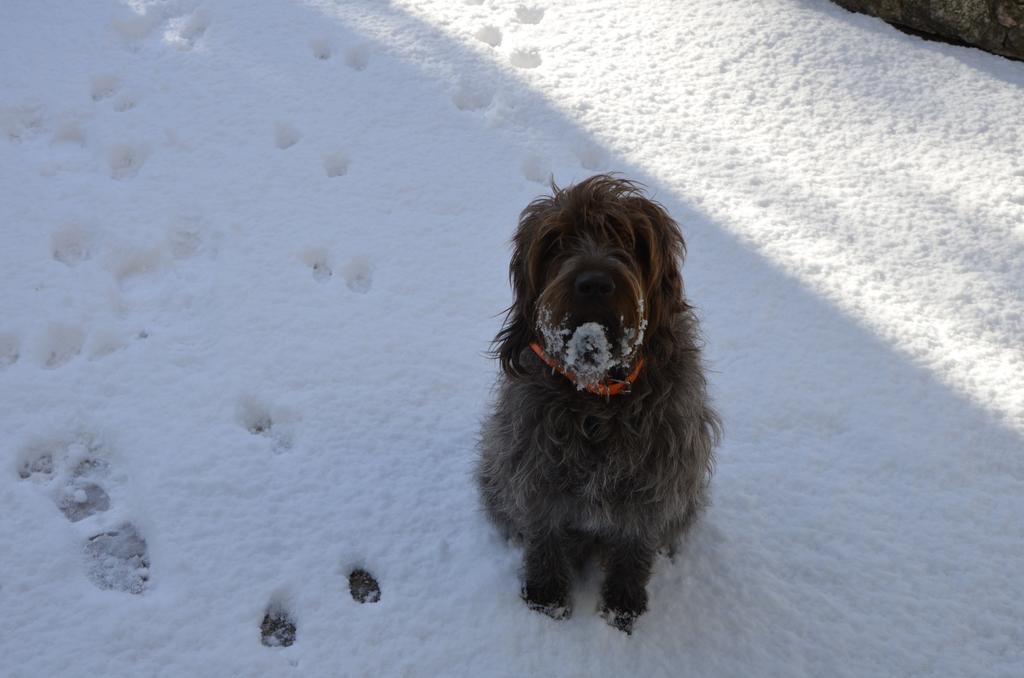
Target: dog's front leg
pixel 625 586
pixel 547 575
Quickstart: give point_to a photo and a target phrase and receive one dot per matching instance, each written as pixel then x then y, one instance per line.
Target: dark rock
pixel 993 25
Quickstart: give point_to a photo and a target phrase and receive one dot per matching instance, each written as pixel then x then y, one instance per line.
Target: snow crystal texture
pixel 252 254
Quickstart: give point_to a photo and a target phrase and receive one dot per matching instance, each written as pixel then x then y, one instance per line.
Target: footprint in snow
pixel 318 260
pixel 125 101
pixel 132 25
pixel 10 349
pixel 363 587
pixel 272 423
pixel 126 160
pixel 535 169
pixel 529 15
pixel 336 164
pixel 590 155
pixel 68 132
pixel 61 344
pixel 525 58
pixel 321 48
pixel 71 245
pixel 358 57
pixel 185 31
pixel 118 560
pixel 277 628
pixel 76 474
pixel 104 86
pixel 20 123
pixel 358 274
pixel 285 136
pixel 490 35
pixel 472 96
pixel 187 238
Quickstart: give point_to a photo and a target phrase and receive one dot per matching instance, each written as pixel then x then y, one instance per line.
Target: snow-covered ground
pixel 253 252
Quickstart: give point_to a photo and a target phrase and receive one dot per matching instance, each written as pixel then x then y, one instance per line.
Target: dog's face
pixel 595 276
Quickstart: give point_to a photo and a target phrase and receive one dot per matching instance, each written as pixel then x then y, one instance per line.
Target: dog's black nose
pixel 594 284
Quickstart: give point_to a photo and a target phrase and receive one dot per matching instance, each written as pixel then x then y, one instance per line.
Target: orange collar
pixel 615 388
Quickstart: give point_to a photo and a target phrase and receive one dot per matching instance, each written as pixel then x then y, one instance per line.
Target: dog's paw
pixel 622 606
pixel 553 603
pixel 557 611
pixel 623 620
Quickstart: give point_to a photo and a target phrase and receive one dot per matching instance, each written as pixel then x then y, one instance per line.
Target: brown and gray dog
pixel 601 438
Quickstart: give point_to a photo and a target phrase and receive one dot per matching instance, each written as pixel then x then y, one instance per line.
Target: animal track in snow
pixel 318 261
pixel 472 96
pixel 104 86
pixel 40 467
pixel 68 132
pixel 285 136
pixel 105 341
pixel 74 472
pixel 71 245
pixel 525 58
pixel 61 344
pixel 274 424
pixel 130 261
pixel 536 169
pixel 85 500
pixel 363 587
pixel 126 159
pixel 277 628
pixel 358 274
pixel 321 48
pixel 529 15
pixel 336 164
pixel 590 155
pixel 76 475
pixel 125 101
pixel 118 560
pixel 357 57
pixel 10 349
pixel 133 26
pixel 183 32
pixel 185 238
pixel 490 35
pixel 20 122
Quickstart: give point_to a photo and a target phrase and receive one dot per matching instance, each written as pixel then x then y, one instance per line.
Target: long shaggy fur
pixel 570 473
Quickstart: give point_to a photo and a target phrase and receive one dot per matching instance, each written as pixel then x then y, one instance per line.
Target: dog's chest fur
pixel 584 461
pixel 590 451
pixel 629 465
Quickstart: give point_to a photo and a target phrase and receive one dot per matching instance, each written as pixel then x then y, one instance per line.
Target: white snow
pixel 588 354
pixel 585 350
pixel 253 253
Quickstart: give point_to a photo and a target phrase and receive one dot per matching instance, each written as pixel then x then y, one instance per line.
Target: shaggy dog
pixel 601 437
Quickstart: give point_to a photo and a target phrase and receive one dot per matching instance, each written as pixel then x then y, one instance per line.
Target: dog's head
pixel 595 278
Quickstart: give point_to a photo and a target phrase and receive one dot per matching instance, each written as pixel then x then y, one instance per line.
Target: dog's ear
pixel 518 330
pixel 665 252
